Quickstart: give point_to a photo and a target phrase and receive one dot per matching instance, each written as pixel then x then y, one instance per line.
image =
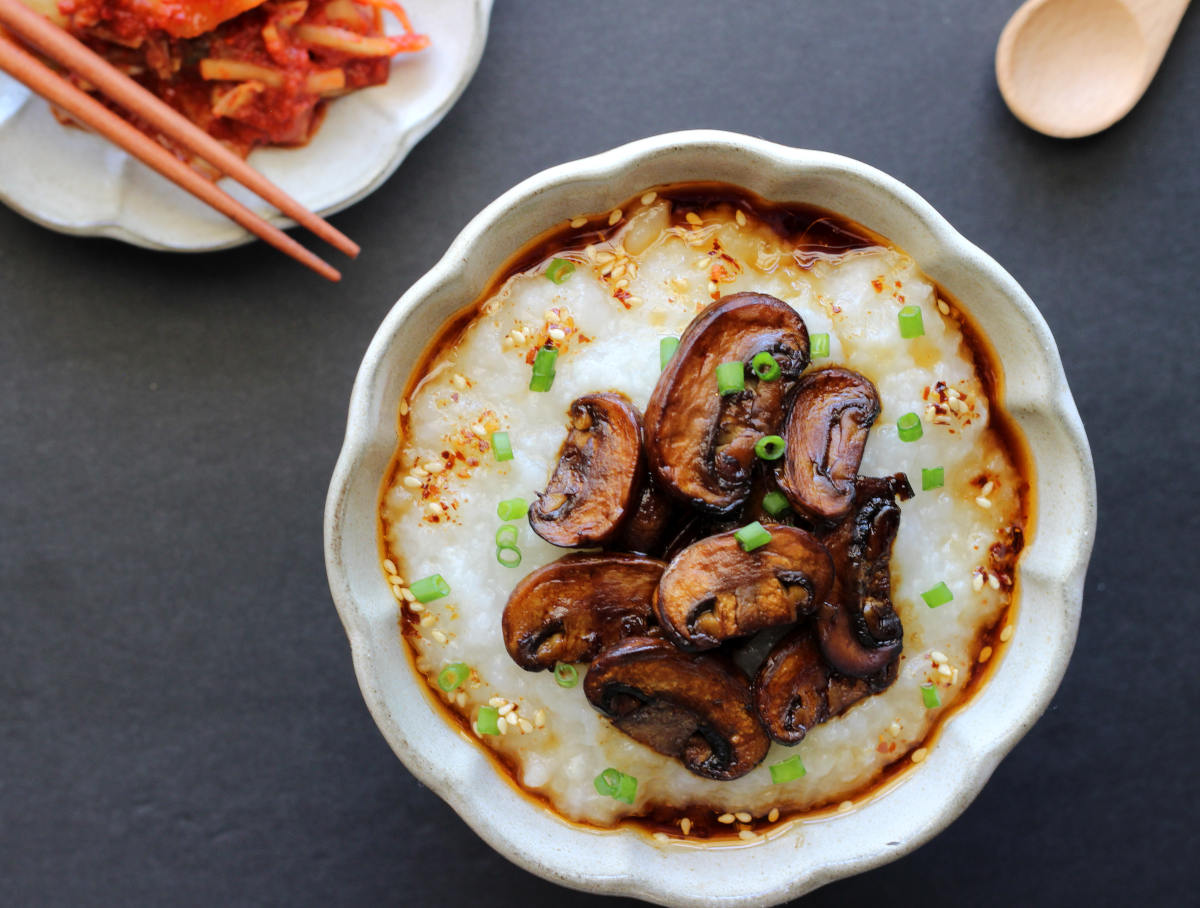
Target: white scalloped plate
pixel 805 854
pixel 76 182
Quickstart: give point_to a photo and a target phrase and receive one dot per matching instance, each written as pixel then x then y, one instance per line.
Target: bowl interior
pixel 807 853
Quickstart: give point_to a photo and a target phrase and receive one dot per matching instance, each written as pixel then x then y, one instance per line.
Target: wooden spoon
pixel 1070 68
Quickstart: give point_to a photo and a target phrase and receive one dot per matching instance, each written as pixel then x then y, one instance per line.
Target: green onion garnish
pixel 769 447
pixel 512 508
pixel 501 446
pixel 818 345
pixel 508 555
pixel 453 675
pixel 910 427
pixel 666 349
pixel 429 588
pixel 775 503
pixel 506 534
pixel 765 366
pixel 929 696
pixel 752 536
pixel 543 369
pixel 487 721
pixel 787 770
pixel 612 783
pixel 566 674
pixel 731 377
pixel 559 270
pixel 911 324
pixel 933 478
pixel 939 595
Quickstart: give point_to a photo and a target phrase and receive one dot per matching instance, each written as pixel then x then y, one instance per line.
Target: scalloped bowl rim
pixel 924 799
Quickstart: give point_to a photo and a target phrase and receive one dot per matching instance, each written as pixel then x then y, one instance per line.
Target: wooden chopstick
pixel 26 68
pixel 66 50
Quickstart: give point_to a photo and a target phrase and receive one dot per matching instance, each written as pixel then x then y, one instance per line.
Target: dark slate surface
pixel 179 717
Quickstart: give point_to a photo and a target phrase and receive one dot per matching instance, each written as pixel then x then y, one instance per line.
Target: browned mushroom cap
pixel 790 688
pixel 858 629
pixel 713 590
pixel 570 609
pixel 596 481
pixel 694 707
pixel 646 528
pixel 826 431
pixel 700 443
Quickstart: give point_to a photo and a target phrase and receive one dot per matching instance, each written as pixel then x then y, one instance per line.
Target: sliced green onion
pixel 911 324
pixel 543 369
pixel 512 509
pixel 487 721
pixel 560 270
pixel 612 783
pixel 775 503
pixel 607 782
pixel 787 770
pixel 731 377
pixel 666 349
pixel 765 366
pixel 929 696
pixel 566 674
pixel 453 675
pixel 752 536
pixel 506 534
pixel 429 588
pixel 626 789
pixel 818 345
pixel 501 446
pixel 939 595
pixel 508 555
pixel 910 427
pixel 769 447
pixel 933 478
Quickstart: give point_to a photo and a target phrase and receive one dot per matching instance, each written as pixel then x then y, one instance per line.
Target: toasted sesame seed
pixel 525 725
pixel 988 486
pixel 502 727
pixel 403 408
pixel 434 507
pixel 977 580
pixel 439 636
pixel 418 472
pixel 985 654
pixel 702 264
pixel 607 269
pixel 845 806
pixel 539 718
pixel 621 284
pixel 725 818
pixel 518 336
pixel 507 708
pixel 938 656
pixel 983 502
pixel 943 308
pixel 774 814
pixel 458 381
pixel 632 301
pixel 919 755
pixel 497 701
pixel 685 826
pixel 956 404
pixel 661 837
pixel 511 719
pixel 694 219
pixel 389 565
pixel 590 252
pixel 410 598
pixel 953 392
pixel 579 221
pixel 604 257
pixel 740 217
pixel 614 217
pixel 1006 634
pixel 649 197
pixel 411 482
pixel 994 581
pixel 894 728
pixel 434 467
pixel 428 621
pixel 747 835
pixel 712 286
pixel 557 334
pixel 743 817
pixel 461 698
pixel 478 429
pixel 945 670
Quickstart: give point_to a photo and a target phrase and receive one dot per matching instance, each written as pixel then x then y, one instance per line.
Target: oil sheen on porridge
pixel 640 274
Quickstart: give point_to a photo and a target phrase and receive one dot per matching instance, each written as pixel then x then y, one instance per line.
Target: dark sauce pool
pixel 816 234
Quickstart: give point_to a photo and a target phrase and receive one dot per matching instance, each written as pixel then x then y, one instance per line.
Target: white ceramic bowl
pixel 809 853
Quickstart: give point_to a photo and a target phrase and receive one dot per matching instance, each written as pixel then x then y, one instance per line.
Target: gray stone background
pixel 179 721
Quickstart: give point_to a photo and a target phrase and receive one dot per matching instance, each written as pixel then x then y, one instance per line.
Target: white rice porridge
pixel 638 281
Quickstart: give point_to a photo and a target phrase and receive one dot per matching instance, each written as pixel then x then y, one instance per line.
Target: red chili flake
pixel 718 273
pixel 531 356
pixel 877 284
pixel 898 284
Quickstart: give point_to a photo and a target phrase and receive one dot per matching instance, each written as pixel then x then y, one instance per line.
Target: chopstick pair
pixel 61 47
